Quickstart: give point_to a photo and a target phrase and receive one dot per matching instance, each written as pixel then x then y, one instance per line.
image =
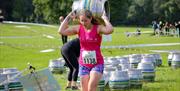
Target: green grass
pixel 17 52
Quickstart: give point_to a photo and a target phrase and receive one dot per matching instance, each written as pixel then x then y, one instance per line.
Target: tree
pixel 118 10
pixel 140 12
pixel 50 10
pixel 22 10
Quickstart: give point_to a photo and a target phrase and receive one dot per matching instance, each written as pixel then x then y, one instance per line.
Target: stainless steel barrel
pixel 136 78
pixel 148 71
pixel 119 80
pixel 175 60
pixel 97 7
pixel 57 66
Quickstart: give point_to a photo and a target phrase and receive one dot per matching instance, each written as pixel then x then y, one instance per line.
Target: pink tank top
pixel 90 41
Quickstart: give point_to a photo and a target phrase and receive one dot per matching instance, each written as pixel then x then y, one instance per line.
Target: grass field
pixel 20 44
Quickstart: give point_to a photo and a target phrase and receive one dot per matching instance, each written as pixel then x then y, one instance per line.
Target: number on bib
pixel 89 57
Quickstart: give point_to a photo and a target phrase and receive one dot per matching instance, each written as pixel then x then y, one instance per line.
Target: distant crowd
pixel 166 28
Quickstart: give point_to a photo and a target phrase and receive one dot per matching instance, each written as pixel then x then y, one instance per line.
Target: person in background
pixel 138 32
pixel 155 26
pixel 166 27
pixel 1 16
pixel 160 26
pixel 91 62
pixel 70 52
pixel 177 25
pixel 63 37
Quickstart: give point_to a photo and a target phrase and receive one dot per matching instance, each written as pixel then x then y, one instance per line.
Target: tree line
pixel 123 12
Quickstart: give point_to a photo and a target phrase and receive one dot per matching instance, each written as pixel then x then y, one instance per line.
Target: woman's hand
pixel 107 28
pixel 104 17
pixel 64 29
pixel 71 15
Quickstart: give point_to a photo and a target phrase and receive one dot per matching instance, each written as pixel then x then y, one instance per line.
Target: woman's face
pixel 84 20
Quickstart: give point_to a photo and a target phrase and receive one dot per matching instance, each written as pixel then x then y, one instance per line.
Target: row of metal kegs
pixel 174 59
pixel 9 79
pixel 130 71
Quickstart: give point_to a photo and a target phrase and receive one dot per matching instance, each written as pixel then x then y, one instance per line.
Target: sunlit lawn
pixel 20 45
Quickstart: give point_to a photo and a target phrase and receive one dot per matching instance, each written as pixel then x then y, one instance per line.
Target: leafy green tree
pixel 50 10
pixel 118 10
pixel 57 8
pixel 40 8
pixel 22 10
pixel 140 12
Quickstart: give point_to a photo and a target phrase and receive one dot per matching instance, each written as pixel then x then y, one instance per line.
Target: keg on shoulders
pixel 148 71
pixel 57 66
pixel 119 80
pixel 175 60
pixel 136 78
pixel 97 7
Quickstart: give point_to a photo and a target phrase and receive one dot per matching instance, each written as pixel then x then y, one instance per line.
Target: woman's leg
pixel 70 72
pixel 84 77
pixel 72 62
pixel 95 76
pixel 64 53
pixel 94 80
pixel 84 82
pixel 74 66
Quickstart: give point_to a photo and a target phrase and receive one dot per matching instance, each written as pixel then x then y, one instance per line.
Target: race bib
pixel 89 57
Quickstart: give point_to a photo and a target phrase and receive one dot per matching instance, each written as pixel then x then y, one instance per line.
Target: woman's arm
pixel 108 28
pixel 64 30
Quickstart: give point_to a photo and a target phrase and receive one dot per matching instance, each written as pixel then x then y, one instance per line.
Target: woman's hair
pixel 89 15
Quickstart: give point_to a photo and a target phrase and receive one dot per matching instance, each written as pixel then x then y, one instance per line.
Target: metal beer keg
pixel 101 84
pixel 119 80
pixel 3 82
pixel 136 78
pixel 158 59
pixel 14 83
pixel 134 59
pixel 57 66
pixel 170 56
pixel 97 7
pixel 175 60
pixel 9 70
pixel 147 58
pixel 148 71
